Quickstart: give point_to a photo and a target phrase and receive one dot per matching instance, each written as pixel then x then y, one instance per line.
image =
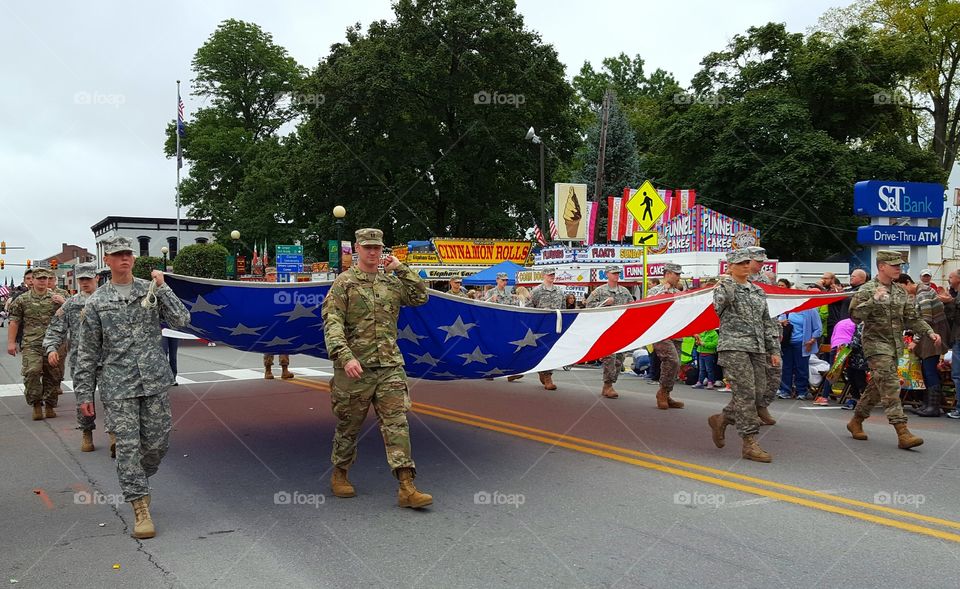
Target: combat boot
pixel 37 411
pixel 113 445
pixel 48 412
pixel 407 494
pixel 718 425
pixel 340 485
pixel 608 391
pixel 663 399
pixel 143 524
pixel 547 380
pixel 86 443
pixel 855 427
pixel 753 451
pixel 673 403
pixel 765 418
pixel 514 377
pixel 285 373
pixel 268 373
pixel 905 439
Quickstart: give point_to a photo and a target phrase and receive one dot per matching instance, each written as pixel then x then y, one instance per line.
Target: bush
pixel 146 264
pixel 206 260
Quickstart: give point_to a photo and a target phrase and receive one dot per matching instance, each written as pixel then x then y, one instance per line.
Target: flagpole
pixel 179 163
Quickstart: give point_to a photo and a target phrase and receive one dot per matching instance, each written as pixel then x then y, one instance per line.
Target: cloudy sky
pixel 90 86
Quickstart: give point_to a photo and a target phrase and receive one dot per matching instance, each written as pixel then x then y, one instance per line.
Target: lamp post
pixel 164 250
pixel 339 213
pixel 532 136
pixel 235 236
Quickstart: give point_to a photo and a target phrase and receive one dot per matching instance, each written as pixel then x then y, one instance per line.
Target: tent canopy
pixel 489 276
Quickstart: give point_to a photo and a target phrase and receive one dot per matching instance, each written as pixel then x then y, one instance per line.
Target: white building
pixel 149 234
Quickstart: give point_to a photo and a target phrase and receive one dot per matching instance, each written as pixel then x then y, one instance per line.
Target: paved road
pixel 630 497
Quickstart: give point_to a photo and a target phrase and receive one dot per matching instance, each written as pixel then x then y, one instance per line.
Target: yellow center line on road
pixel 628 456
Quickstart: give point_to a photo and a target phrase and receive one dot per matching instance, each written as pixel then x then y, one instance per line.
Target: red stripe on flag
pixel 706 321
pixel 625 329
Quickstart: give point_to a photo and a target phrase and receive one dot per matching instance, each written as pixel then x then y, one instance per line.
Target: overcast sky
pixel 88 87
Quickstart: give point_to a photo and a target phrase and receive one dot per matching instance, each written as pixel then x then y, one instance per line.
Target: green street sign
pixel 293 250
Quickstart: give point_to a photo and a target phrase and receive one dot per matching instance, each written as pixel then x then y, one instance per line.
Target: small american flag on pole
pixel 554 234
pixel 538 235
pixel 181 129
pixel 4 290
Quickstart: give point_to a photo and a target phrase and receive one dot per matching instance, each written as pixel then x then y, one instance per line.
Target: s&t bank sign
pixel 881 198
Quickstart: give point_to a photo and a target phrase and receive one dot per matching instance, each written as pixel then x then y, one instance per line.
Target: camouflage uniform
pixel 268 360
pixel 120 353
pixel 774 373
pixel 667 350
pixel 612 364
pixel 360 322
pixel 34 312
pixel 546 297
pixel 459 293
pixel 882 341
pixel 65 329
pixel 498 295
pixel 747 339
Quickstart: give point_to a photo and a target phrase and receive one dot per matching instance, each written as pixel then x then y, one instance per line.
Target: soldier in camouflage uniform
pixel 885 310
pixel 120 353
pixel 668 350
pixel 65 329
pixel 360 330
pixel 456 287
pixel 500 295
pixel 284 366
pixel 34 310
pixel 547 296
pixel 747 339
pixel 758 256
pixel 608 295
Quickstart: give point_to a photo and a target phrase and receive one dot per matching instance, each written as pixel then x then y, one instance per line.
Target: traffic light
pixel 28 263
pixel 1 264
pixel 53 264
pixel 3 248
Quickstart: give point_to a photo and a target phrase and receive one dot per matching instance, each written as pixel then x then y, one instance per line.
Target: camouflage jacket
pixel 34 312
pixel 360 315
pixel 620 296
pixel 459 293
pixel 65 327
pixel 662 288
pixel 745 322
pixel 119 347
pixel 761 277
pixel 885 320
pixel 547 297
pixel 503 297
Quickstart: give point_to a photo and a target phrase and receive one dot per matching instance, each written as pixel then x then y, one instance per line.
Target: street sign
pixel 898 235
pixel 646 206
pixel 646 238
pixel 289 249
pixel 882 198
pixel 288 259
pixel 230 268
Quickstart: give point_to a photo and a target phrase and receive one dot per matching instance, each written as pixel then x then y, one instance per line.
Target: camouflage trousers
pixel 669 363
pixel 612 365
pixel 386 389
pixel 746 372
pixel 41 381
pixel 268 360
pixel 773 383
pixel 142 427
pixel 84 423
pixel 884 388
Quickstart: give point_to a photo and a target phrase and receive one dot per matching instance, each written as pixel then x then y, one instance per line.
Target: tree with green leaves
pixel 240 165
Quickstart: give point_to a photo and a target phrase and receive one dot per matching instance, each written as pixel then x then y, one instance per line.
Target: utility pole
pixel 601 153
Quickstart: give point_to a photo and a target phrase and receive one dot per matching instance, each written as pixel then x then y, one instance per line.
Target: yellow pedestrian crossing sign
pixel 645 238
pixel 646 206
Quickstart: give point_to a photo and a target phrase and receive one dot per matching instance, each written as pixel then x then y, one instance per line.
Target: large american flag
pixel 452 338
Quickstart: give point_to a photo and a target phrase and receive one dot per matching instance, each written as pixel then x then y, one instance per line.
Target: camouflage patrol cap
pixel 117 245
pixel 757 253
pixel 42 273
pixel 502 275
pixel 892 257
pixel 549 271
pixel 675 268
pixel 369 236
pixel 456 279
pixel 738 256
pixel 612 269
pixel 86 271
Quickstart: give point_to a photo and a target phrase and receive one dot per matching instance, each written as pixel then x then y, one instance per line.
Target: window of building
pixel 201 240
pixel 172 245
pixel 144 245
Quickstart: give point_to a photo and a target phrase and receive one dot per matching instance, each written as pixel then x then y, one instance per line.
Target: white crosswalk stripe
pixel 186 378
